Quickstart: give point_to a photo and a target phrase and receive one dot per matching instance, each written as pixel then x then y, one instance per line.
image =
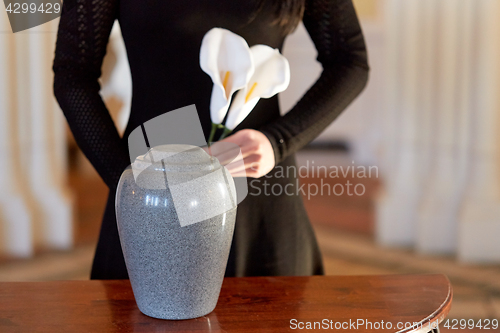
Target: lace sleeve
pixel 336 33
pixel 82 37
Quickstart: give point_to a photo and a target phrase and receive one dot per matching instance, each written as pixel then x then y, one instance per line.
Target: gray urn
pixel 176 209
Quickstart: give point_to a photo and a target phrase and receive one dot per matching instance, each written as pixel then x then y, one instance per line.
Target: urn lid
pixel 198 185
pixel 176 158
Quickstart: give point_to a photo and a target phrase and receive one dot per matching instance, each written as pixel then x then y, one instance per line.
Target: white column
pixel 479 228
pixel 451 33
pixel 390 112
pixel 23 130
pixel 15 217
pixel 396 208
pixel 366 141
pixel 45 173
pixel 35 208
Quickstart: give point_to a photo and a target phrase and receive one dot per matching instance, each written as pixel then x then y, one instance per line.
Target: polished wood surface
pixel 253 304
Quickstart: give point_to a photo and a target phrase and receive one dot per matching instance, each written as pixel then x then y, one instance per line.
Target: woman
pixel 273 235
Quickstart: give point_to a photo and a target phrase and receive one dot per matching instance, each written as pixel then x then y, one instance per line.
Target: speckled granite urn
pixel 176 208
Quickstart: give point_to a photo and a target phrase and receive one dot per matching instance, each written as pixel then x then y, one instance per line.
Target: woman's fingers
pixel 246 140
pixel 250 165
pixel 236 168
pixel 245 153
pixel 226 153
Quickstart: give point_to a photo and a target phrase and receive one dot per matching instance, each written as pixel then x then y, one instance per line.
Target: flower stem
pixel 212 133
pixel 225 133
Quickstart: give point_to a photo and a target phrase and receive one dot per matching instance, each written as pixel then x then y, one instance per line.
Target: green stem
pixel 225 133
pixel 212 133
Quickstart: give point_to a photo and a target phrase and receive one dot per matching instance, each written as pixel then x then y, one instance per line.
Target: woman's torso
pixel 163 40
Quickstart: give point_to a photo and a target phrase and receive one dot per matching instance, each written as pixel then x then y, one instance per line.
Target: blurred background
pixel 427 126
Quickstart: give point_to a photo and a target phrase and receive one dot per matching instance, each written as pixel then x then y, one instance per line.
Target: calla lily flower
pixel 271 76
pixel 226 58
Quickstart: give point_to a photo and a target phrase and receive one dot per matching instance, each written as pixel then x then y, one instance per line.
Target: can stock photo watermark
pixel 27 14
pixel 361 324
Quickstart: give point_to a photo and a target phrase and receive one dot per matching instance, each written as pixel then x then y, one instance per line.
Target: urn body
pixel 176 209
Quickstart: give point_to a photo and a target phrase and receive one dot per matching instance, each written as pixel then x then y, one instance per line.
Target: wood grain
pixel 253 304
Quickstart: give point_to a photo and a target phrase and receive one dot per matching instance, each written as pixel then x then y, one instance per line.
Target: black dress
pixel 273 235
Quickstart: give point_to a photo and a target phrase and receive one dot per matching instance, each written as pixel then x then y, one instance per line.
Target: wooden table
pixel 257 304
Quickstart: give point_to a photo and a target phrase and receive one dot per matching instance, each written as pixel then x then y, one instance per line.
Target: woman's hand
pixel 256 151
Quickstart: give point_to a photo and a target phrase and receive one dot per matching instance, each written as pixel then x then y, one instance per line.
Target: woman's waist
pixel 152 104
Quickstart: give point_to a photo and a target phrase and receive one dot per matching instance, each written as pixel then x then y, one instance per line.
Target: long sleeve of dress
pixel 334 28
pixel 83 34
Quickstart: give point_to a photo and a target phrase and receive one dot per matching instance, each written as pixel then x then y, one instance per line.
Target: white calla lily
pixel 226 58
pixel 271 76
